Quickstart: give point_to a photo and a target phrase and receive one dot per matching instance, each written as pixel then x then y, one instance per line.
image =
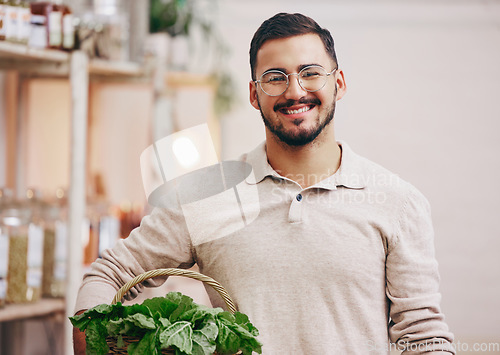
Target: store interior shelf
pixel 42 308
pixel 79 69
pixel 21 51
pixel 181 78
pixel 33 61
pixel 102 67
pixel 15 56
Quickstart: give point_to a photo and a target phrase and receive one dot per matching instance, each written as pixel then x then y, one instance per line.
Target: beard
pixel 302 136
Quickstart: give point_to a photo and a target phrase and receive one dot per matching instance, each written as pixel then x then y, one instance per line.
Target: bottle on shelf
pixel 35 205
pixel 54 20
pixel 103 224
pixel 11 20
pixel 51 25
pixel 5 199
pixel 38 25
pixel 25 245
pixel 54 246
pixel 68 28
pixel 3 8
pixel 23 22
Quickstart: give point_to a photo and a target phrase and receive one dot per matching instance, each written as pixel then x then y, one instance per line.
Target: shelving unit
pixel 76 66
pixel 43 308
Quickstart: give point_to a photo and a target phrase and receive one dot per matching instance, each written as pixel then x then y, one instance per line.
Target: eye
pixel 312 73
pixel 273 78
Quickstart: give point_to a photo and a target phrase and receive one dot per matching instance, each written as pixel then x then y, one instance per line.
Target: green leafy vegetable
pixel 180 335
pixel 173 321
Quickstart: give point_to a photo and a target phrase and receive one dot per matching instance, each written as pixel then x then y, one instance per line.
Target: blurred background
pixel 423 80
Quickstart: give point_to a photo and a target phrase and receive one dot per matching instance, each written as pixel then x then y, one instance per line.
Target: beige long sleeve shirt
pixel 340 267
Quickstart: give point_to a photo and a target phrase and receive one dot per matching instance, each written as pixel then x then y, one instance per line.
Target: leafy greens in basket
pixel 172 321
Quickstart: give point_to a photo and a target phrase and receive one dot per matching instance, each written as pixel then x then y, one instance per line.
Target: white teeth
pixel 294 112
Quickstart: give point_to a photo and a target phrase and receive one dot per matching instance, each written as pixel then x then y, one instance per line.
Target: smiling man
pixel 381 282
pixel 298 86
pixel 339 258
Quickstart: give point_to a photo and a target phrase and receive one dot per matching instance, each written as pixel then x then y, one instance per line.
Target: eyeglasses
pixel 311 78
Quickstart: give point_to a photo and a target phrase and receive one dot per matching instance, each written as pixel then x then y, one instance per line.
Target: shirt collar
pixel 350 173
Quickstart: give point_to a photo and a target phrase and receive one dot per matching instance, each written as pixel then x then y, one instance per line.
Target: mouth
pixel 296 108
pixel 296 111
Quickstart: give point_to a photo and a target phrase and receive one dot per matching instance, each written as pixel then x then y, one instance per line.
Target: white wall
pixel 423 82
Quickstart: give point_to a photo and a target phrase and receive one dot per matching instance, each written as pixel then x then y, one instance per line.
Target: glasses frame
pixel 298 79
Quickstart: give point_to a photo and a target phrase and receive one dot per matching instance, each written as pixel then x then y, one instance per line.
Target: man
pixel 340 258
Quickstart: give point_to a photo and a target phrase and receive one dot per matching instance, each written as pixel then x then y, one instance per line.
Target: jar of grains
pixel 5 198
pixel 25 255
pixel 54 246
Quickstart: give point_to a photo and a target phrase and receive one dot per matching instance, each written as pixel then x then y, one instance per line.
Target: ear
pixel 340 82
pixel 254 101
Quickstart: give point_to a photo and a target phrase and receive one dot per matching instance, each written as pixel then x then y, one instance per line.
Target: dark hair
pixel 285 25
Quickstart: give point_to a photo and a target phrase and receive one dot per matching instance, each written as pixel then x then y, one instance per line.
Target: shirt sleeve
pixel 416 322
pixel 161 241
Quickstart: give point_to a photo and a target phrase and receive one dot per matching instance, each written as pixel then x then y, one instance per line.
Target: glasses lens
pixel 313 78
pixel 274 83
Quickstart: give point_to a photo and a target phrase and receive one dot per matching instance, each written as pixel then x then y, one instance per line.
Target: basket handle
pixel 177 272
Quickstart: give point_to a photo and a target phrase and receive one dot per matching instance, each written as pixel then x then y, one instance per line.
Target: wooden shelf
pixel 179 78
pixel 34 61
pixel 75 66
pixel 42 308
pixel 21 51
pixel 115 69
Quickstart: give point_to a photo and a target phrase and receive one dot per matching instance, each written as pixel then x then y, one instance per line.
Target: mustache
pixel 302 101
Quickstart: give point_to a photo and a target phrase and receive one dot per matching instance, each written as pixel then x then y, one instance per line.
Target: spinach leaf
pixel 204 338
pixel 172 321
pixel 180 335
pixel 96 342
pixel 236 333
pixel 147 345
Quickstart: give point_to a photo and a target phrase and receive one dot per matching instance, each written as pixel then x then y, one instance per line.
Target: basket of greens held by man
pixel 173 324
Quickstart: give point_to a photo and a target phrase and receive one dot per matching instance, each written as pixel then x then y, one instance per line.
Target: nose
pixel 294 90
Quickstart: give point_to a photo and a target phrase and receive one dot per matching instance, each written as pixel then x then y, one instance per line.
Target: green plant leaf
pixel 162 306
pixel 179 335
pixel 185 304
pixel 141 321
pixel 178 322
pixel 234 337
pixel 202 345
pixel 165 323
pixel 116 327
pixel 100 311
pixel 147 345
pixel 95 336
pixel 133 309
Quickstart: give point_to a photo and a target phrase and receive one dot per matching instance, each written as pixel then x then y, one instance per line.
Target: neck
pixel 308 164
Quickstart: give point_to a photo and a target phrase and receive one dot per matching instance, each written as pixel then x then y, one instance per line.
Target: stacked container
pixel 54 247
pixel 18 221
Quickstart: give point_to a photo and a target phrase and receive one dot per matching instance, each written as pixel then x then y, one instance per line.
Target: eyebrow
pixel 300 67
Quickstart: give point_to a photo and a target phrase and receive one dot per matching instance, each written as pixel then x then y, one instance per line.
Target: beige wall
pixel 47 123
pixel 120 129
pixel 423 82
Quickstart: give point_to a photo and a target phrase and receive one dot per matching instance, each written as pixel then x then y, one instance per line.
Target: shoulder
pixel 378 179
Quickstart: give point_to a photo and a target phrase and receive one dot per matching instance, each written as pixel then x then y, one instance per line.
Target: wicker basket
pixel 114 349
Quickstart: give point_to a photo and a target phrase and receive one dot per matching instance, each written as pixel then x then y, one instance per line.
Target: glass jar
pixel 23 22
pixel 25 240
pixel 3 8
pixel 5 198
pixel 54 247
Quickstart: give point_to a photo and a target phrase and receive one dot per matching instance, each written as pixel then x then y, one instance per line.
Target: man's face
pixel 296 117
